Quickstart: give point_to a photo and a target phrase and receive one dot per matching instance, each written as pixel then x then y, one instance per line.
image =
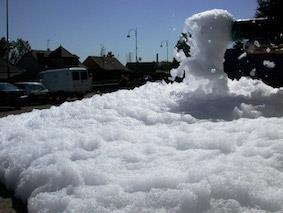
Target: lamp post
pixel 136 37
pixel 7 38
pixel 166 43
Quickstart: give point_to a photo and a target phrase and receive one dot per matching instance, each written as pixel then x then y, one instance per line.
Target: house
pixel 15 73
pixel 36 61
pixel 105 68
pixel 62 58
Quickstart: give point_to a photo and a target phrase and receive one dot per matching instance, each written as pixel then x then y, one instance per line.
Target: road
pixel 9 204
pixel 5 111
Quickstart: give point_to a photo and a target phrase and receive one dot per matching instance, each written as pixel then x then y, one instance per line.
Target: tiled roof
pixel 39 53
pixel 108 63
pixel 62 53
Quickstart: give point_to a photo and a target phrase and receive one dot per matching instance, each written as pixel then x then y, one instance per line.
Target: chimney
pixel 156 57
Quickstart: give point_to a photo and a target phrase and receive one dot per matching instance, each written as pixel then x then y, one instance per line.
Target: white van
pixel 74 80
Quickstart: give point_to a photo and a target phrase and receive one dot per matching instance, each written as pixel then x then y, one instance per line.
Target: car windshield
pixel 21 86
pixel 7 87
pixel 30 87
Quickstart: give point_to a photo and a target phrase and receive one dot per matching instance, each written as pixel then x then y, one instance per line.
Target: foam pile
pixel 157 148
pixel 210 34
pixel 209 93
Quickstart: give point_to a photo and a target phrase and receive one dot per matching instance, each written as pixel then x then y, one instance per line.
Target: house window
pixel 84 75
pixel 76 76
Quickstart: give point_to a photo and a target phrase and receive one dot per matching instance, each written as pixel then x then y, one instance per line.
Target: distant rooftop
pixel 107 63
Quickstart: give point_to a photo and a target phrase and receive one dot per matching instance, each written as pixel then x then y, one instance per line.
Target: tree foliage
pixel 16 49
pixel 3 47
pixel 183 45
pixel 270 9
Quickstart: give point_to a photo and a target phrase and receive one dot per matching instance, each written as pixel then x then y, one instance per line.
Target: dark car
pixel 36 91
pixel 11 95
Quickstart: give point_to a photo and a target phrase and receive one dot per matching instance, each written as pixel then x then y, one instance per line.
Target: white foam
pixel 152 149
pixel 243 55
pixel 269 64
pixel 214 26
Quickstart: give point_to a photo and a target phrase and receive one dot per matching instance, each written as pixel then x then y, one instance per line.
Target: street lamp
pixel 136 37
pixel 166 43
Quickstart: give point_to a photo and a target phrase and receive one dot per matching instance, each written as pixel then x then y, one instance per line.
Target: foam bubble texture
pixel 128 152
pixel 157 148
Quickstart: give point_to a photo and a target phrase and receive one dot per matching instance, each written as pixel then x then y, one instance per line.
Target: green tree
pixel 270 9
pixel 18 49
pixel 183 45
pixel 3 47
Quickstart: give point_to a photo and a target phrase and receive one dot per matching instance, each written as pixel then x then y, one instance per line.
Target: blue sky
pixel 83 26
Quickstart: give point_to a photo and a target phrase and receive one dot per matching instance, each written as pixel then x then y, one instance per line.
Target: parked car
pixel 67 81
pixel 36 91
pixel 11 96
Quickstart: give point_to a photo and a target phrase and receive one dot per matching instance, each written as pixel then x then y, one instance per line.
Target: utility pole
pixel 7 38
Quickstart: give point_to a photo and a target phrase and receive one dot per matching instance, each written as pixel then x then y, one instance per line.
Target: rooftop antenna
pixel 48 44
pixel 102 50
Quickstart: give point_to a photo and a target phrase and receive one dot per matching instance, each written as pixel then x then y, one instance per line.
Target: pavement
pixel 5 111
pixel 10 204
